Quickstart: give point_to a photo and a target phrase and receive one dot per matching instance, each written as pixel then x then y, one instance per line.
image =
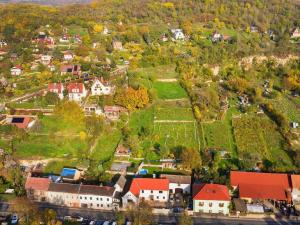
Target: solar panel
pixel 18 120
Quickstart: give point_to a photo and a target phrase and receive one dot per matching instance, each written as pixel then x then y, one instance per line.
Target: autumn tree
pixel 132 99
pixel 184 219
pixel 190 158
pixel 141 214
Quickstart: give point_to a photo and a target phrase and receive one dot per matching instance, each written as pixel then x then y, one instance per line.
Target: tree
pixel 184 219
pixel 190 158
pixel 132 99
pixel 50 217
pixel 94 124
pixel 51 98
pixel 141 214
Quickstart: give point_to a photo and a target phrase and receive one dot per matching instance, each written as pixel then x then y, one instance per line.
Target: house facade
pixel 98 88
pixel 76 91
pixel 178 183
pixel 147 189
pixel 36 188
pixel 46 59
pixel 16 71
pixel 211 198
pixel 113 112
pixel 296 190
pixel 57 88
pixel 178 34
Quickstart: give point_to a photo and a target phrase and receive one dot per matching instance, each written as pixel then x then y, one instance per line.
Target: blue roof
pixel 143 172
pixel 67 172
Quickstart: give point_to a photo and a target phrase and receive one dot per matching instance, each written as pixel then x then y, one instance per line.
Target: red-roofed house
pixel 57 88
pixel 22 122
pixel 76 91
pixel 148 189
pixel 36 188
pixel 261 186
pixel 71 69
pixel 211 198
pixel 113 112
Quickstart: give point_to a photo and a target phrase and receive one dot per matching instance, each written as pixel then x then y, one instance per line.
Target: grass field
pixel 165 71
pixel 171 90
pixel 259 135
pixel 106 146
pixel 173 113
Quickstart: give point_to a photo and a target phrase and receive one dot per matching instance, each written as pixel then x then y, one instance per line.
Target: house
pixel 57 88
pixel 97 197
pixel 253 29
pixel 178 183
pixel 93 108
pixel 296 190
pixel 3 82
pixel 99 88
pixel 168 163
pixel 3 43
pixel 76 91
pixel 51 67
pixel 164 38
pixel 119 167
pixel 36 188
pixel 70 174
pixel 120 184
pixel 295 125
pixel 117 45
pixel 105 31
pixel 216 37
pixel 22 122
pixel 151 190
pixel 211 198
pixel 261 186
pixel 64 39
pixel 16 71
pixel 178 34
pixel 295 33
pixel 71 69
pixel 68 56
pixel 63 194
pixel 46 59
pixel 122 151
pixel 113 112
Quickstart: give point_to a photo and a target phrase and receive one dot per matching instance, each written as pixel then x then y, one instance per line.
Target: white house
pixel 68 56
pixel 76 91
pixel 16 71
pixel 120 184
pixel 98 88
pixel 57 88
pixel 178 34
pixel 295 33
pixel 46 59
pixel 178 183
pixel 96 197
pixel 147 189
pixel 211 198
pixel 93 108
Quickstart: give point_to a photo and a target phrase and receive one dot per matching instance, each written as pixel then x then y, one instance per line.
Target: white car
pixel 14 219
pixel 106 223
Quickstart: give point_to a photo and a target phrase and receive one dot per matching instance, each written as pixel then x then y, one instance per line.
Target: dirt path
pixel 174 121
pixel 170 80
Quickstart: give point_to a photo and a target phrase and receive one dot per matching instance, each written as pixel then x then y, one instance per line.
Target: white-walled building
pixel 147 189
pixel 36 188
pixel 46 59
pixel 296 189
pixel 76 91
pixel 211 198
pixel 99 88
pixel 120 184
pixel 68 56
pixel 178 183
pixel 16 71
pixel 178 34
pixel 57 88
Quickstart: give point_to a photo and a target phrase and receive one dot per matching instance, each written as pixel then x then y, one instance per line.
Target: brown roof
pixel 37 183
pixel 295 181
pixel 96 190
pixel 179 179
pixel 64 187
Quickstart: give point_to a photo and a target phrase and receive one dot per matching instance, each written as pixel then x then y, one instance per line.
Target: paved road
pixel 164 220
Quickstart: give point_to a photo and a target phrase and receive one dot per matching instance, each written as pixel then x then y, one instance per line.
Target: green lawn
pixel 171 90
pixel 165 71
pixel 174 113
pixel 106 146
pixel 141 118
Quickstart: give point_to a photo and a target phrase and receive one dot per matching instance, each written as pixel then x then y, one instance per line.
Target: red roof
pixel 295 181
pixel 139 184
pixel 73 87
pixel 37 183
pixel 261 185
pixel 55 86
pixel 210 192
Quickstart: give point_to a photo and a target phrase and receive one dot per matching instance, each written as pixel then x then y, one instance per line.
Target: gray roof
pixel 119 166
pixel 96 190
pixel 64 187
pixel 179 179
pixel 121 182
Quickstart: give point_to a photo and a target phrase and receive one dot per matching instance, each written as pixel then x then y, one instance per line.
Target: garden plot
pixel 169 90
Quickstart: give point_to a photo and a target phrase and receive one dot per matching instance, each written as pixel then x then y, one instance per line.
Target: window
pixel 151 192
pixel 157 197
pixel 100 199
pixel 108 205
pixel 210 204
pixel 85 198
pixel 107 199
pixel 97 199
pixel 80 197
pixel 164 197
pixel 91 204
pixel 201 203
pixel 210 211
pixel 142 191
pixel 101 205
pixel 97 205
pixel 221 205
pixel 91 198
pixel 220 211
pixel 160 192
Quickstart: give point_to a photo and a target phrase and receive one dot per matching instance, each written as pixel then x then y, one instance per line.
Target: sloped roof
pixel 121 181
pixel 295 181
pixel 77 86
pixel 96 190
pixel 210 192
pixel 55 86
pixel 261 185
pixel 139 184
pixel 64 187
pixel 37 183
pixel 179 179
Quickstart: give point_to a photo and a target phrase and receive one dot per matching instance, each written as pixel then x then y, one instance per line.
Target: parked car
pixel 14 219
pixel 106 223
pixel 92 222
pixel 73 218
